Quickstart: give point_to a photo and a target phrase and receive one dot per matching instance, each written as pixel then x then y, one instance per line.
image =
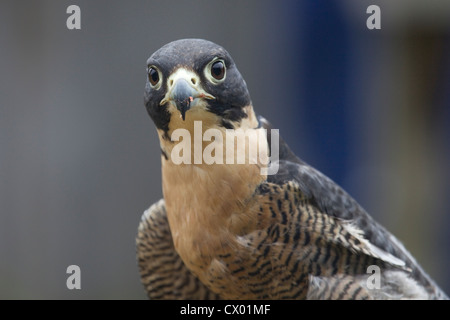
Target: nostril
pixel 194 81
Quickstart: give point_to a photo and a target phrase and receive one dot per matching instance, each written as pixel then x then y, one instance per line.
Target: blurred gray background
pixel 79 156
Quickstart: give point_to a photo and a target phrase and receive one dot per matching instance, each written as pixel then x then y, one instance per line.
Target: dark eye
pixel 153 76
pixel 218 70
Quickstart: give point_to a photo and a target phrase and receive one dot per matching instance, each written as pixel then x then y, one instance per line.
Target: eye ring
pixel 215 71
pixel 154 77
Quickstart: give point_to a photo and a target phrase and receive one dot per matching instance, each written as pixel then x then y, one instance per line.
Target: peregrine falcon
pixel 234 230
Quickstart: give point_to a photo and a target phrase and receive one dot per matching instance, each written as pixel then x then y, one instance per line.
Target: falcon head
pixel 195 80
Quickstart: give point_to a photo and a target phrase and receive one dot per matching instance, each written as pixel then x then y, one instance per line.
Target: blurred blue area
pixel 78 152
pixel 327 81
pixel 443 99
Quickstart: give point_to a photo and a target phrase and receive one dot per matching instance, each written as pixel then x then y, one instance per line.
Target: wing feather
pixel 163 273
pixel 332 200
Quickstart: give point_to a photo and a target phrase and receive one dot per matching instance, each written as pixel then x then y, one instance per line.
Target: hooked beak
pixel 183 95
